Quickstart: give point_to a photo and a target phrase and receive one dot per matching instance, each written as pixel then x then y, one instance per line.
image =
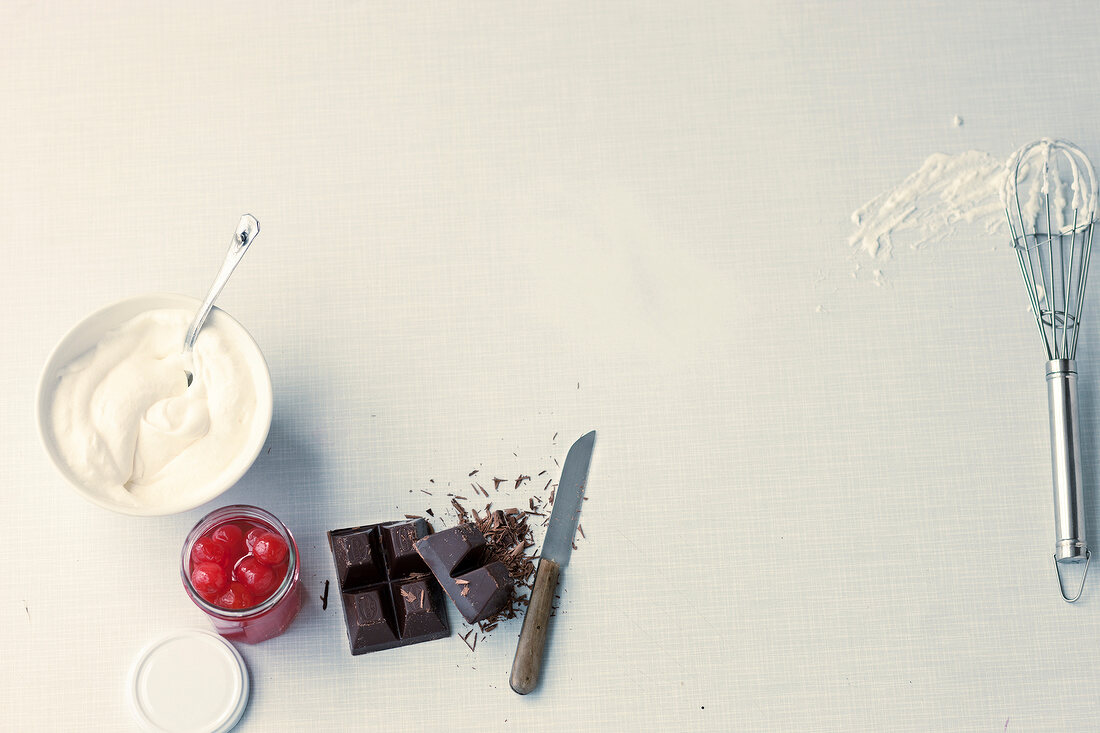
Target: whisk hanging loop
pixel 1062 584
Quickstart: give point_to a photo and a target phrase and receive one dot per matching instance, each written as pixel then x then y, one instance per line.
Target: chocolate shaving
pixel 581 528
pixel 408 596
pixel 520 480
pixel 474 472
pixel 426 492
pixel 542 472
pixel 555 437
pixel 324 598
pixel 413 516
pixel 465 590
pixel 429 512
pixel 496 483
pixel 421 599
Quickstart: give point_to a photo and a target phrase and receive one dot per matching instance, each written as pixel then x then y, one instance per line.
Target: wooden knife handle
pixel 532 637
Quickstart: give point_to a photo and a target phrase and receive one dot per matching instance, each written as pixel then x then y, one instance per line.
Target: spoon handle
pixel 242 238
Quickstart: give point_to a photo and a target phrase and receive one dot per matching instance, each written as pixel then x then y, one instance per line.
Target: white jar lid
pixel 188 681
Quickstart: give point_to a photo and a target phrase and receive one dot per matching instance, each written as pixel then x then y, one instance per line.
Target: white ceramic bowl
pixel 84 335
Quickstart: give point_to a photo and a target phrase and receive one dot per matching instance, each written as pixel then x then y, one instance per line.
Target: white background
pixel 487 223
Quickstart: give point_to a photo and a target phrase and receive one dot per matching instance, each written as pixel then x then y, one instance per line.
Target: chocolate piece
pixel 458 559
pixel 390 599
pixel 357 556
pixel 398 539
pixel 370 618
pixel 418 603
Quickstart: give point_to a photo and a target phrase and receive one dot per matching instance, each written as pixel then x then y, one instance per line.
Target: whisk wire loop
pixel 1050 198
pixel 1081 295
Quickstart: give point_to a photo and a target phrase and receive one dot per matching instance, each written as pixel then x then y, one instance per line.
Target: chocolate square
pixel 370 620
pixel 357 557
pixel 419 606
pixel 397 544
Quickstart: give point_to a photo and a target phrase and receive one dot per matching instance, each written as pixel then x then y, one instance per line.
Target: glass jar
pixel 267 618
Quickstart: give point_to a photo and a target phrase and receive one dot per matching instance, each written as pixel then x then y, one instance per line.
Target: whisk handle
pixel 1065 460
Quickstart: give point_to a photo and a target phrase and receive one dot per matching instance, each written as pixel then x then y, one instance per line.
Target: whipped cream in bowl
pixel 118 419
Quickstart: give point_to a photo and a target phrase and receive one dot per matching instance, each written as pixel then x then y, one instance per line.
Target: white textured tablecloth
pixel 816 504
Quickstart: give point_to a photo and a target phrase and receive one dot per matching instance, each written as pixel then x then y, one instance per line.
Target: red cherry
pixel 209 578
pixel 253 535
pixel 233 538
pixel 258 578
pixel 280 570
pixel 237 596
pixel 270 549
pixel 207 549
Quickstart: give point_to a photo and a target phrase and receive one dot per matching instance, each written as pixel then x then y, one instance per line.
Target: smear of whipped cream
pixel 931 202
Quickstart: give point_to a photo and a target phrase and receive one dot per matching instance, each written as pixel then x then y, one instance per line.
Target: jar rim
pixel 225 514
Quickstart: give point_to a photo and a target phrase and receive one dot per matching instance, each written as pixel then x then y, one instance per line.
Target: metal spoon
pixel 246 232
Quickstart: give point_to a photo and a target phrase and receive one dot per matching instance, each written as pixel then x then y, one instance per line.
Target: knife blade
pixel 556 548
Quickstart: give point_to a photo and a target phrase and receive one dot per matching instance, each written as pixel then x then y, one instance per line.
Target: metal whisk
pixel 1050 197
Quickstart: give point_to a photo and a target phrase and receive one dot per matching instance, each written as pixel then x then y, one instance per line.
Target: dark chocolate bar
pixel 458 558
pixel 390 598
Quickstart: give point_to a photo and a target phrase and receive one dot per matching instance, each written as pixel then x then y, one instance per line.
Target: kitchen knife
pixel 554 556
